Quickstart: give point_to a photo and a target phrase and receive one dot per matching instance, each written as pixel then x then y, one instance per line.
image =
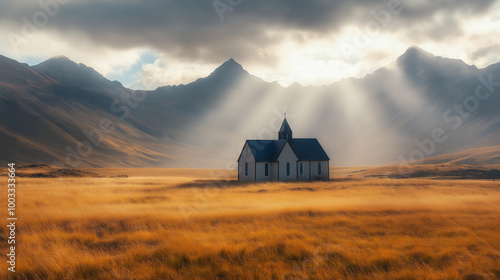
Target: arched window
pixel 246 168
pixel 287 169
pixel 319 168
pixel 301 169
pixel 266 169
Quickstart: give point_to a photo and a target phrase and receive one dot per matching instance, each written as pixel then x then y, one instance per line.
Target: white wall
pixel 305 174
pixel 246 156
pixel 287 155
pixel 325 171
pixel 273 171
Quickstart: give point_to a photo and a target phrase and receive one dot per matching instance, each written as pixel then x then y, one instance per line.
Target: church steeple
pixel 285 132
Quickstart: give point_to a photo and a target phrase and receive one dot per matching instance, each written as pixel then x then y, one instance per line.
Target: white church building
pixel 285 159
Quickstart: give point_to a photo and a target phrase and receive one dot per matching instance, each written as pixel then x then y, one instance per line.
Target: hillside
pixel 434 171
pixel 48 110
pixel 484 155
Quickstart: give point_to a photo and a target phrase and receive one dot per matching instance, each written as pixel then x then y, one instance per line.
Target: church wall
pixel 273 171
pixel 287 155
pixel 305 174
pixel 325 172
pixel 246 156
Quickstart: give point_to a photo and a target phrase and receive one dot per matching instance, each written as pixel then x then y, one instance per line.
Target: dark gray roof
pixel 308 149
pixel 304 148
pixel 285 127
pixel 266 150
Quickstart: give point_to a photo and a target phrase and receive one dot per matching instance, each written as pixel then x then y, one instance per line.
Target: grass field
pixel 174 225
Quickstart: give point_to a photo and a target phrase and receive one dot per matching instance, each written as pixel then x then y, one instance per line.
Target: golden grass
pixel 165 172
pixel 190 228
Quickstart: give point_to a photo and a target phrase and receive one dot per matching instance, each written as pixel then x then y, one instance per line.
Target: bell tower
pixel 285 132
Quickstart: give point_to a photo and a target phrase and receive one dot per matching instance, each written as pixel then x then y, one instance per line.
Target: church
pixel 285 159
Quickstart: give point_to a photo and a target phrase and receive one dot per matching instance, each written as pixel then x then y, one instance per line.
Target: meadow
pixel 194 224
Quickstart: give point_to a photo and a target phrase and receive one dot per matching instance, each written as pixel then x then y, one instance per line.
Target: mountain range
pixel 63 113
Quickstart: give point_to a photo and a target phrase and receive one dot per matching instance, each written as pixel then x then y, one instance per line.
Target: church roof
pixel 304 148
pixel 308 149
pixel 266 150
pixel 285 127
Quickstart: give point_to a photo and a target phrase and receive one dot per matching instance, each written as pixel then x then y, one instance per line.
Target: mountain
pixel 69 73
pixel 16 74
pixel 45 120
pixel 49 110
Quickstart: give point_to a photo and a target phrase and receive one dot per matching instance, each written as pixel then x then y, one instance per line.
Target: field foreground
pixel 200 227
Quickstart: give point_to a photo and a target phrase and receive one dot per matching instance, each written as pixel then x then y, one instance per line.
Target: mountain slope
pixel 48 109
pixel 43 120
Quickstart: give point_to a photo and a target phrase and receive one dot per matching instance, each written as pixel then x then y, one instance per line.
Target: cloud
pixel 257 33
pixel 160 73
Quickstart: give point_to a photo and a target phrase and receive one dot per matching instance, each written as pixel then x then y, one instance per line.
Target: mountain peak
pixel 416 48
pixel 59 61
pixel 229 67
pixel 59 57
pixel 64 70
pixel 425 68
pixel 415 52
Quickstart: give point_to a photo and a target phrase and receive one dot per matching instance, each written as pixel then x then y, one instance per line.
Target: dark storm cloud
pixel 193 29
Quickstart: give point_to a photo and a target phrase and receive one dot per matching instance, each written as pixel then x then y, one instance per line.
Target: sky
pixel 149 43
